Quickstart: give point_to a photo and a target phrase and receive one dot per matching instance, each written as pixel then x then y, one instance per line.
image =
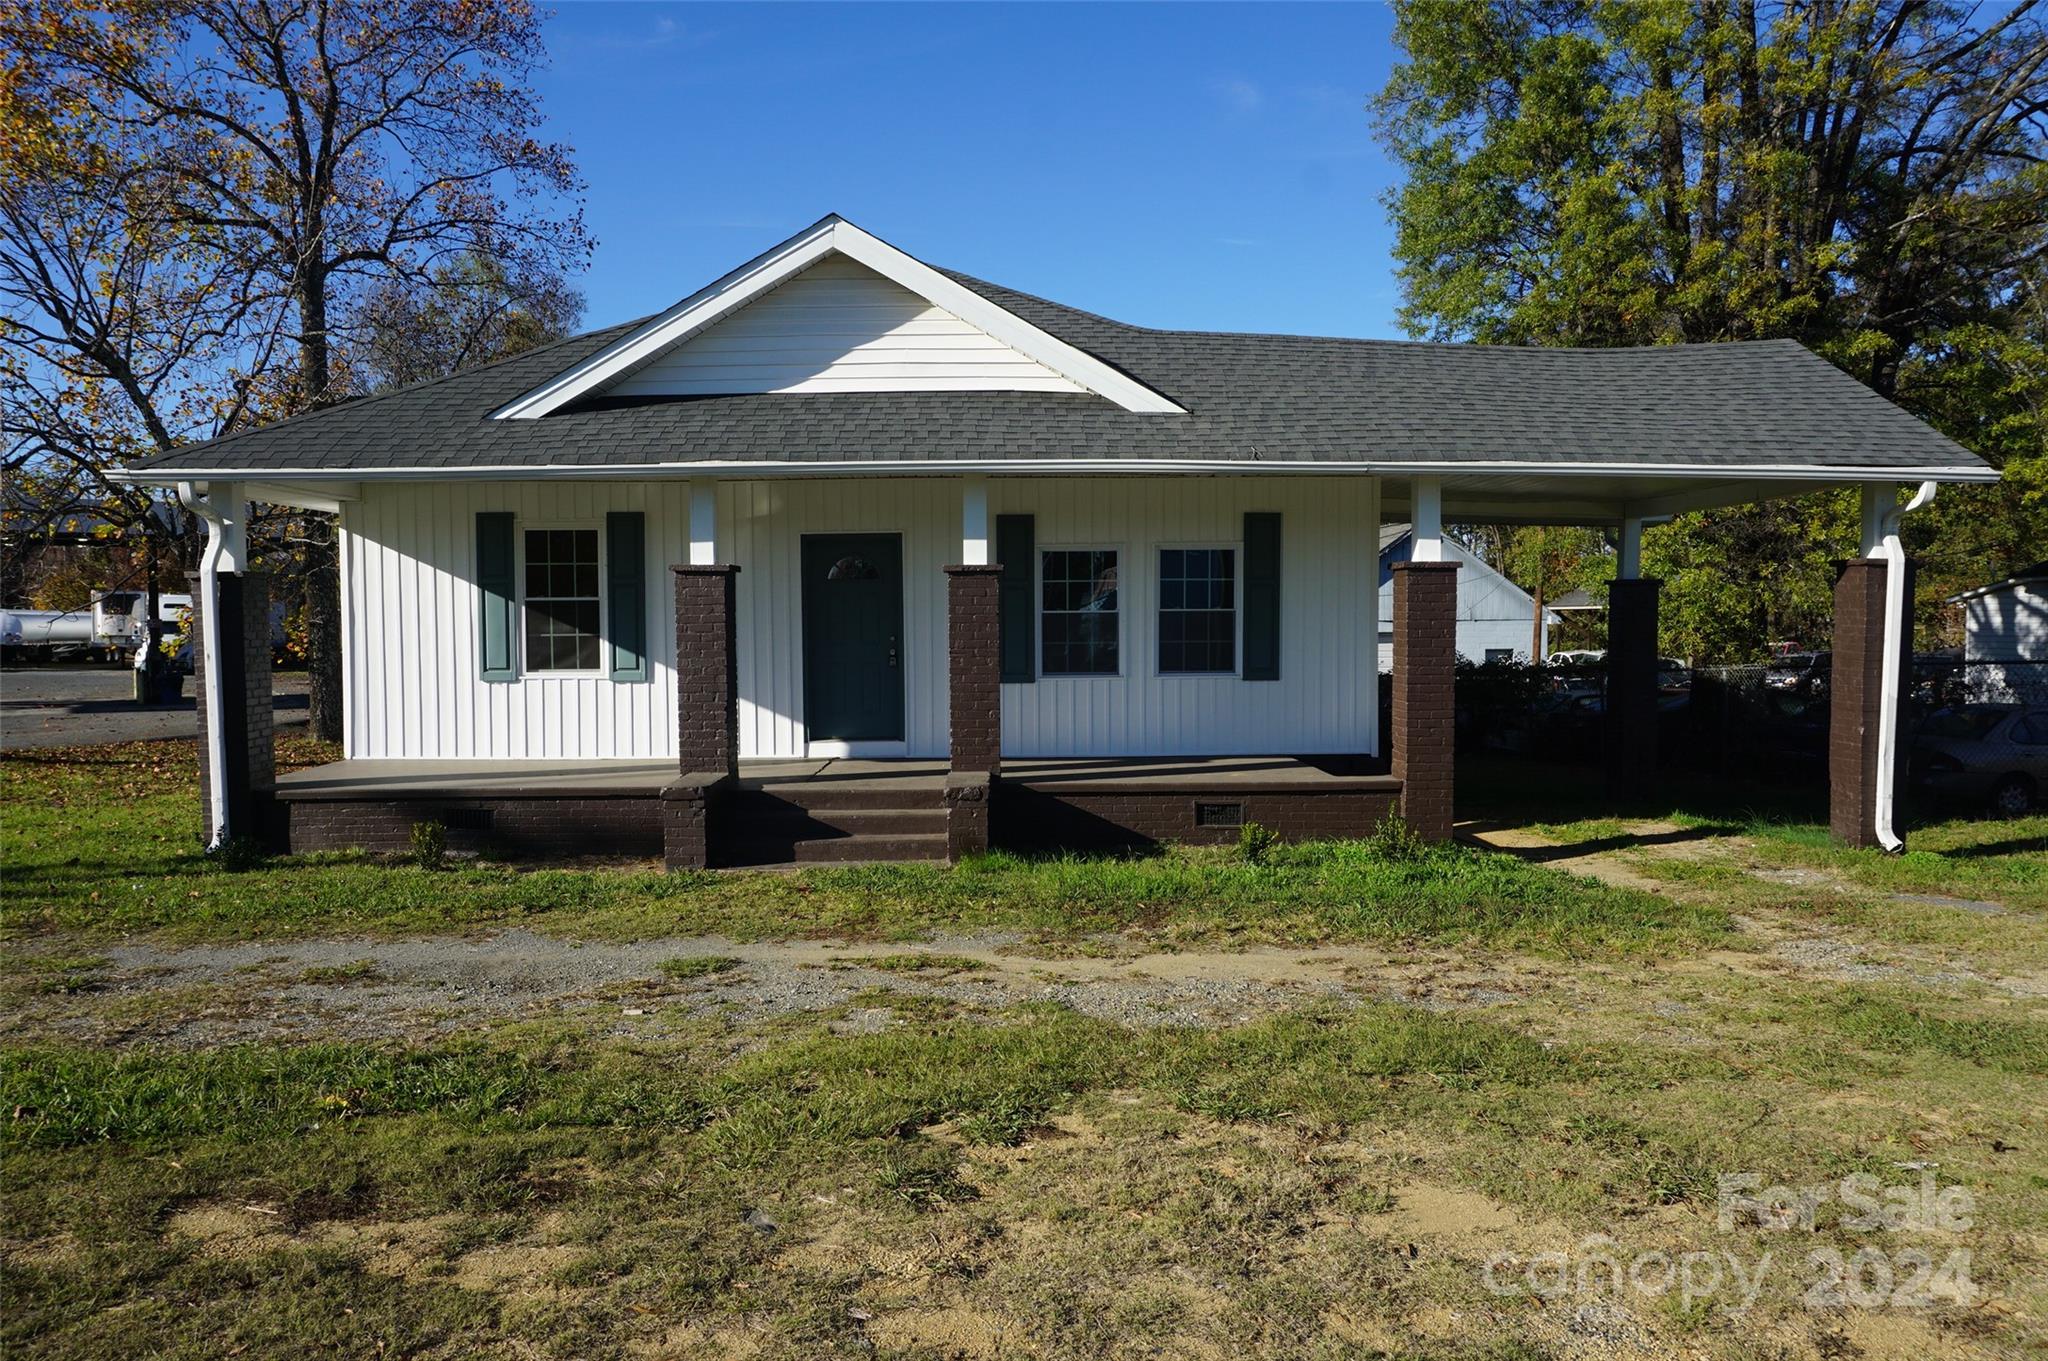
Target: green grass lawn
pixel 100 844
pixel 1328 1181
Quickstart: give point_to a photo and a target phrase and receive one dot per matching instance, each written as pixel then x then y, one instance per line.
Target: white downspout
pixel 200 504
pixel 1894 638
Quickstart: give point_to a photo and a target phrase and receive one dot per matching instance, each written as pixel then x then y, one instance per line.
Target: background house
pixel 1494 614
pixel 2005 636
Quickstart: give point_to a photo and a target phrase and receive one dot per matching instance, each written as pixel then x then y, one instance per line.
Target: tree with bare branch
pixel 301 157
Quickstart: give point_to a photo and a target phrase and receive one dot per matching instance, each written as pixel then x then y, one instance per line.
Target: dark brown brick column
pixel 707 670
pixel 974 665
pixel 1632 687
pixel 1855 686
pixel 1425 668
pixel 248 718
pixel 707 711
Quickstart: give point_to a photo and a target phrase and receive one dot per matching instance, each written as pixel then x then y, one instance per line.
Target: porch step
pixel 848 794
pixel 800 824
pixel 766 818
pixel 753 849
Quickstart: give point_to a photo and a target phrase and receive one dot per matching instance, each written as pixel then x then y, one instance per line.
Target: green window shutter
pixel 497 588
pixel 626 602
pixel 1016 551
pixel 1261 596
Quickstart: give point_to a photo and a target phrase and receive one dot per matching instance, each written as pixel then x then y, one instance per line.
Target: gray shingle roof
pixel 1249 398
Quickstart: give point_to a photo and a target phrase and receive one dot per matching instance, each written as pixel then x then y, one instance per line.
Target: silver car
pixel 1984 753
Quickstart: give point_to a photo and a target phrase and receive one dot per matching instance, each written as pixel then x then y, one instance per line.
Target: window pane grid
pixel 562 605
pixel 1197 610
pixel 1078 615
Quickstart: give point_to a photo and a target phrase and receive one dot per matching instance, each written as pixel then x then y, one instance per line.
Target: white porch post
pixel 220 505
pixel 1426 515
pixel 1629 549
pixel 974 548
pixel 1877 498
pixel 703 523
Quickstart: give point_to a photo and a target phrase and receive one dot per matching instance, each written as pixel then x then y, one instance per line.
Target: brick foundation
pixel 516 828
pixel 1632 687
pixel 1855 686
pixel 1111 817
pixel 1425 708
pixel 975 669
pixel 969 795
pixel 248 717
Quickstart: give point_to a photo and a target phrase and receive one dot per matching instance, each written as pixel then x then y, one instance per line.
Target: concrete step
pixel 756 850
pixel 765 819
pixel 848 793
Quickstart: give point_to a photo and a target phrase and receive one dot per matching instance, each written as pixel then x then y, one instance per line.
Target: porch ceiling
pixel 1594 498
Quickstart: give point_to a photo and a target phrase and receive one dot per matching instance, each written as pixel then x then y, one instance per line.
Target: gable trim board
pixel 705 308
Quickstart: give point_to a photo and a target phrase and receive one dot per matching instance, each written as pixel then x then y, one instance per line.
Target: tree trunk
pixel 322 584
pixel 1536 626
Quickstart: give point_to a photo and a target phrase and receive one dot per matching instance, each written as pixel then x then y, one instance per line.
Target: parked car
pixel 1582 657
pixel 1801 673
pixel 1979 753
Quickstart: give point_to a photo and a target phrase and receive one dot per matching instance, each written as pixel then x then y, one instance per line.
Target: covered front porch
pixel 827 809
pixel 715 801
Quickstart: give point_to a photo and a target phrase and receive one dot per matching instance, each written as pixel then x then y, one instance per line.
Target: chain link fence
pixel 1980 729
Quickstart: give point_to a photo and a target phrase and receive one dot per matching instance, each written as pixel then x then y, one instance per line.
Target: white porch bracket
pixel 703 523
pixel 974 541
pixel 1426 515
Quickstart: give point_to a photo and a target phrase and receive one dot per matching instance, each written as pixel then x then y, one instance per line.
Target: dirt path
pixel 353 989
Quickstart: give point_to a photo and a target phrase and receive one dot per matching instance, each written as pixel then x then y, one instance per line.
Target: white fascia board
pixel 707 306
pixel 1455 475
pixel 326 497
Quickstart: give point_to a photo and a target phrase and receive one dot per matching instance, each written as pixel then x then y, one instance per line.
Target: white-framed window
pixel 1198 610
pixel 1080 627
pixel 562 605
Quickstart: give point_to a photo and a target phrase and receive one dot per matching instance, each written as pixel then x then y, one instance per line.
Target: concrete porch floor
pixel 369 779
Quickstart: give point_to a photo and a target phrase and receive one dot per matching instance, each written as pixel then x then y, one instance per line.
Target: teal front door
pixel 853 637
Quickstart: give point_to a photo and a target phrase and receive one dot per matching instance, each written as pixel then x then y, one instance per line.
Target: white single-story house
pixel 1495 616
pixel 847 555
pixel 2005 636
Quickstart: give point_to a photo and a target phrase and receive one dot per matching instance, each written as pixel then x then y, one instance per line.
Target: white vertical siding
pixel 408 562
pixel 841 327
pixel 410 639
pixel 1326 699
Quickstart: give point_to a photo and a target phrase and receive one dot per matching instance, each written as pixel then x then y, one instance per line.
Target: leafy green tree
pixel 1867 178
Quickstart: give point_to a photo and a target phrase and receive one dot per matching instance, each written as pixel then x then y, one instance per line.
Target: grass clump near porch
pixel 100 843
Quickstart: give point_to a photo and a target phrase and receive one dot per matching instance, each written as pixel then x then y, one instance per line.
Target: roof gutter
pixel 1052 467
pixel 196 500
pixel 1893 666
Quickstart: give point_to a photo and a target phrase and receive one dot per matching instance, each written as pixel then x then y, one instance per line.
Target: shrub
pixel 1394 839
pixel 429 845
pixel 1255 843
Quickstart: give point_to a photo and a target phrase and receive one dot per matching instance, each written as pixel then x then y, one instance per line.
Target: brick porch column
pixel 1632 686
pixel 1854 687
pixel 707 711
pixel 248 718
pixel 974 705
pixel 1425 667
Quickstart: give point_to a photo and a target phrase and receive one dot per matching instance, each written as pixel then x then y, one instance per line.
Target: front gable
pixel 834 309
pixel 838 326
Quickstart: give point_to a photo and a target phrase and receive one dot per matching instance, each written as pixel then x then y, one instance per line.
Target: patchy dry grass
pixel 1026 1181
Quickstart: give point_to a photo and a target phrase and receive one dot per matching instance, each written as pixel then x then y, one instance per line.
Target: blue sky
pixel 1198 166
